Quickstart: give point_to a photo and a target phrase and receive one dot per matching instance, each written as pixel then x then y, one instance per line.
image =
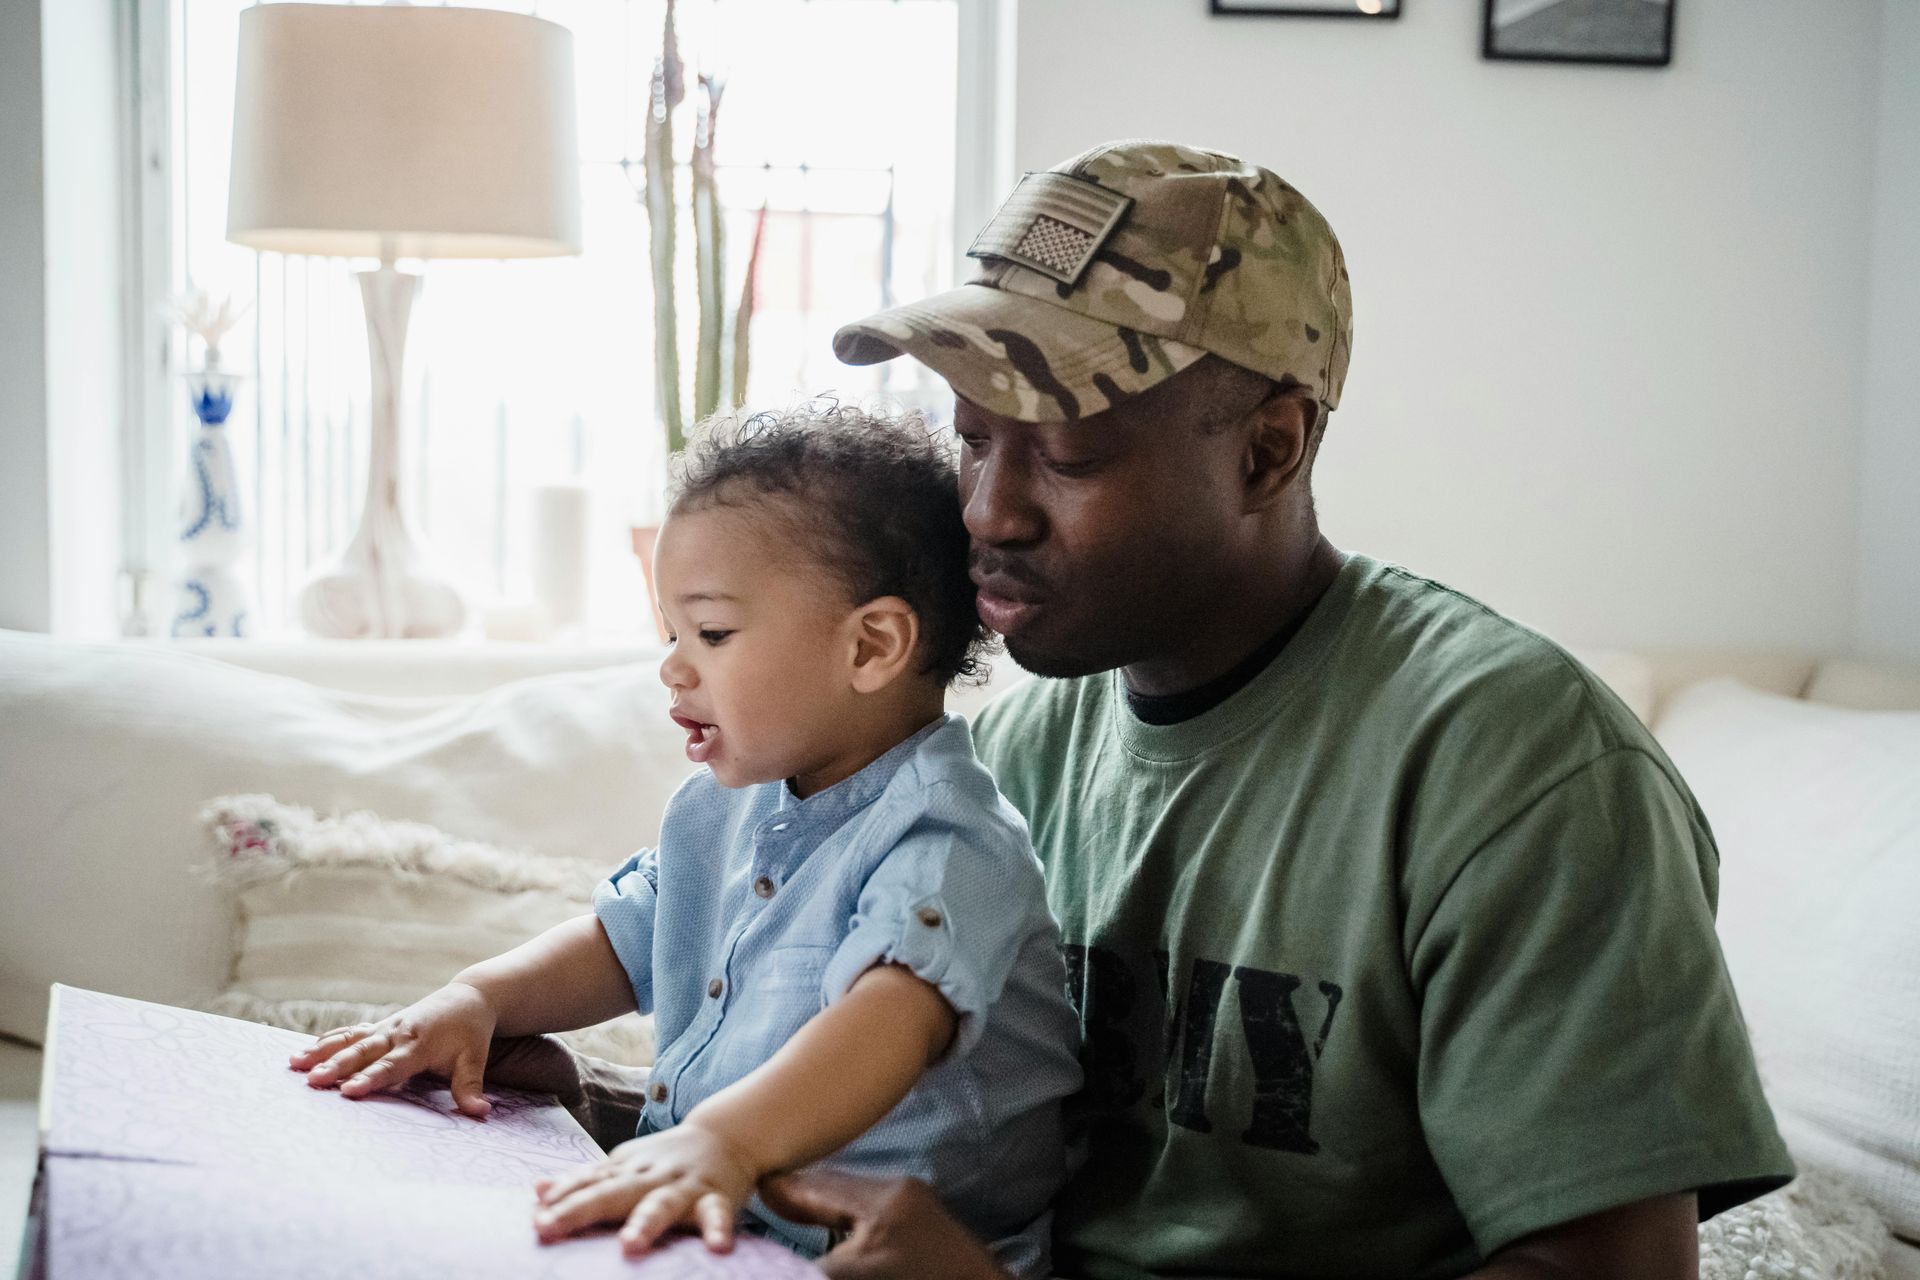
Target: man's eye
pixel 711 637
pixel 1069 467
pixel 973 444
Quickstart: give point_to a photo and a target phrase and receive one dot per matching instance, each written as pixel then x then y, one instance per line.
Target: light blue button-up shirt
pixel 759 909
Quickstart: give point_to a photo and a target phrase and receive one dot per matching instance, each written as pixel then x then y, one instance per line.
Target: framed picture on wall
pixel 1311 8
pixel 1632 33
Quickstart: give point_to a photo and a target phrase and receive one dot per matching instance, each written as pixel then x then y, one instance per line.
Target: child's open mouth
pixel 701 737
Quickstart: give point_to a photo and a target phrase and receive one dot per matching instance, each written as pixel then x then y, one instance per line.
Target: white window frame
pixel 149 448
pixel 983 149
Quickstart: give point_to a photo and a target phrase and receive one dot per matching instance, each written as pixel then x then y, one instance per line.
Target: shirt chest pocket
pixel 772 999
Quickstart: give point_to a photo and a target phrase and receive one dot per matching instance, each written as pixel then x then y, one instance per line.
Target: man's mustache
pixel 994 564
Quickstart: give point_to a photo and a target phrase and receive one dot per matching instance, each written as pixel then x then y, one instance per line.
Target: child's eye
pixel 712 637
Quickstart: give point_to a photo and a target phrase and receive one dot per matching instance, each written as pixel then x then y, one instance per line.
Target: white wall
pixel 1890 445
pixel 84 300
pixel 62 294
pixel 25 603
pixel 1609 321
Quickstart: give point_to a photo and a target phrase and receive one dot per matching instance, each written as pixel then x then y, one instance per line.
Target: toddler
pixel 843 934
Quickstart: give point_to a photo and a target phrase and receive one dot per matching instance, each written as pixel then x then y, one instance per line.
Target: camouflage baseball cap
pixel 1119 268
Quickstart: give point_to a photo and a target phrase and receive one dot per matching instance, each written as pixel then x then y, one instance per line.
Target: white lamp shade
pixel 395 131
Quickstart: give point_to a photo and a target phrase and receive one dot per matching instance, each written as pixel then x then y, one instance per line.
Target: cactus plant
pixel 668 89
pixel 720 340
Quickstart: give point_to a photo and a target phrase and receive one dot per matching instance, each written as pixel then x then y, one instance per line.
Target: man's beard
pixel 1053 665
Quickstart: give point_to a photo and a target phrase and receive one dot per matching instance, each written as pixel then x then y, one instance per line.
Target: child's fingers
pixel 715 1215
pixel 467 1094
pixel 395 1069
pixel 660 1209
pixel 607 1200
pixel 562 1185
pixel 351 1059
pixel 326 1045
pixel 557 1188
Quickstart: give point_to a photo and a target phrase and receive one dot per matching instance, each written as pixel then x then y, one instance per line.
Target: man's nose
pixel 999 501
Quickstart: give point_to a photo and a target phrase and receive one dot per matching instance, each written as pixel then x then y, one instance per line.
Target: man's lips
pixel 702 737
pixel 1004 602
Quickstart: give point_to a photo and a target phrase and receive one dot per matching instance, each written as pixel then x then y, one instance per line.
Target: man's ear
pixel 1279 442
pixel 886 643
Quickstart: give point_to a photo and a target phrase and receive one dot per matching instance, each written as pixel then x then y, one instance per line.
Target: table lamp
pixel 394 131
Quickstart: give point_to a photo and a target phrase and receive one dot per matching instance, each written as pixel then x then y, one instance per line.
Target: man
pixel 1389 927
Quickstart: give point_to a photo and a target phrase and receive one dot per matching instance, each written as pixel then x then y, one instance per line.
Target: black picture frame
pixel 1492 50
pixel 1327 9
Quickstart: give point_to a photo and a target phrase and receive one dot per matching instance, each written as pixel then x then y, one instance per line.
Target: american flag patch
pixel 1052 223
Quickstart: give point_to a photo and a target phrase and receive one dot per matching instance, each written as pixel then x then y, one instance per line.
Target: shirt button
pixel 779 826
pixel 929 917
pixel 658 1093
pixel 714 989
pixel 763 887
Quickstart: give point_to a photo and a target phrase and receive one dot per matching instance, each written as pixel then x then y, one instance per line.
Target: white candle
pixel 560 519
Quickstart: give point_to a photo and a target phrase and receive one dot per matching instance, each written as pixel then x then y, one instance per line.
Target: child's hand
pixel 448 1034
pixel 685 1174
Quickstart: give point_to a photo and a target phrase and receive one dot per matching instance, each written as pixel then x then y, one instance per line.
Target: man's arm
pixel 893 1228
pixel 899 1229
pixel 1655 1239
pixel 605 1097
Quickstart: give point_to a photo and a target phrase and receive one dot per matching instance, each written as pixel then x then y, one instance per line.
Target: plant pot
pixel 644 536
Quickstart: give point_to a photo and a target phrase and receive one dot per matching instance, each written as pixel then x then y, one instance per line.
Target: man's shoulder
pixel 1439 659
pixel 1478 715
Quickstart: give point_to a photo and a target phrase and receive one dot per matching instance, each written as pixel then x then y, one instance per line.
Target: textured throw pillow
pixel 344 919
pixel 1816 811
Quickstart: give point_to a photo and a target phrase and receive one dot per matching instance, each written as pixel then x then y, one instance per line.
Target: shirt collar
pixel 846 797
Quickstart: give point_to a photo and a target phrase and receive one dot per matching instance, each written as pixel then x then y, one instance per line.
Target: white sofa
pixel 108 752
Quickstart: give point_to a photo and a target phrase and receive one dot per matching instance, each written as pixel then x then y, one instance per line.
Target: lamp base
pixel 383 587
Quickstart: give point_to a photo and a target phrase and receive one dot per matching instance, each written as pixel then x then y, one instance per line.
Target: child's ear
pixel 886 643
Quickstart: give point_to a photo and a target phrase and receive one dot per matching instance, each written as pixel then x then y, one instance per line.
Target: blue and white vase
pixel 213 598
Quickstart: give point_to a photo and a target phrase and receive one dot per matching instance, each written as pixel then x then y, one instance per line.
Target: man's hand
pixel 605 1097
pixel 893 1229
pixel 445 1034
pixel 1655 1239
pixel 537 1064
pixel 683 1174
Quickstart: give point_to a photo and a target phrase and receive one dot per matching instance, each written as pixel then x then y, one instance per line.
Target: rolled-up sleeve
pixel 948 902
pixel 625 903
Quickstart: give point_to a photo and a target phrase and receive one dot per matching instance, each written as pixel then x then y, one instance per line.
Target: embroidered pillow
pixel 345 919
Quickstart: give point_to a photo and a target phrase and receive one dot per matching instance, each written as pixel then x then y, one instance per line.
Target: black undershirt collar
pixel 1172 708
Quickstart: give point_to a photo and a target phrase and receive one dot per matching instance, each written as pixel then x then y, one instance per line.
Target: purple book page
pixel 121 1219
pixel 135 1080
pixel 179 1143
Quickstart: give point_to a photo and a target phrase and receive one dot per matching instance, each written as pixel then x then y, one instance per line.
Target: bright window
pixel 838 115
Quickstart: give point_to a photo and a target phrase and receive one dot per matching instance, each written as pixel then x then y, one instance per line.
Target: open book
pixel 176 1143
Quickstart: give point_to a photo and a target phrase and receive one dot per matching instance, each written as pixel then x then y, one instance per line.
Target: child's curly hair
pixel 874 499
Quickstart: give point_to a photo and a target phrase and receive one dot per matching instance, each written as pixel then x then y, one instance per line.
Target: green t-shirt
pixel 1400 953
